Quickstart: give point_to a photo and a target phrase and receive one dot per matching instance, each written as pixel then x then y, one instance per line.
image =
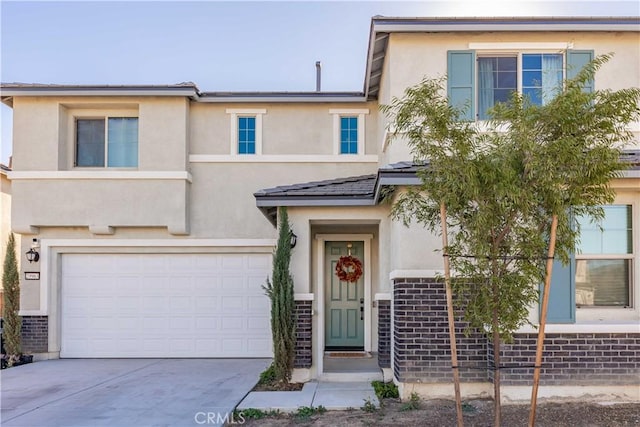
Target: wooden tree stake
pixel 452 331
pixel 543 320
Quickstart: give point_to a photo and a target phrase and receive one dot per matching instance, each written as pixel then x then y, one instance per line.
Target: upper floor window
pixel 478 79
pixel 604 259
pixel 348 130
pixel 348 135
pixel 246 130
pixel 108 141
pixel 246 135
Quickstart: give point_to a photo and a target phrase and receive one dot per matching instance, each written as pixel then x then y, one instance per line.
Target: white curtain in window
pixel 485 86
pixel 123 142
pixel 551 76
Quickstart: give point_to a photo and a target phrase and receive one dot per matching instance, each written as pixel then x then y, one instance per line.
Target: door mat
pixel 348 354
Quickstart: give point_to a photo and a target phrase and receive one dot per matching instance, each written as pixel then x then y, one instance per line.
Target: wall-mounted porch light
pixel 294 239
pixel 32 254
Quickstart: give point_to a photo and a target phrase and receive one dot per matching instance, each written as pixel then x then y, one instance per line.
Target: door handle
pixel 361 308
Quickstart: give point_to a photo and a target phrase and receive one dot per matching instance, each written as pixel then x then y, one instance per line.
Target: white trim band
pixel 303 297
pixel 282 158
pixel 100 174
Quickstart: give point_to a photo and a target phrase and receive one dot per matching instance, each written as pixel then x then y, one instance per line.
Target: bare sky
pixel 234 46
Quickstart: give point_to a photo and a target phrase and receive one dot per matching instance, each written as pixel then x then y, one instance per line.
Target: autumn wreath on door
pixel 349 268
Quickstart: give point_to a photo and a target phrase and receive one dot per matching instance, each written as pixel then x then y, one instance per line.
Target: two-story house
pixel 153 209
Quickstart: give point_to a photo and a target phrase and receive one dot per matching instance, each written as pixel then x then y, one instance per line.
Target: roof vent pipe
pixel 318 75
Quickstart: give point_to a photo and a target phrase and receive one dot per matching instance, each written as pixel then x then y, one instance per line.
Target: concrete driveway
pixel 126 392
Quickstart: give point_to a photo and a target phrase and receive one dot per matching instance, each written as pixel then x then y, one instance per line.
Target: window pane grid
pixel 246 135
pixel 540 76
pixel 348 135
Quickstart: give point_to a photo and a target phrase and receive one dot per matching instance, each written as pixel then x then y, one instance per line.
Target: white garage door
pixel 165 305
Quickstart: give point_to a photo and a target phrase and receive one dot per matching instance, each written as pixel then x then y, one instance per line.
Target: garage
pixel 165 305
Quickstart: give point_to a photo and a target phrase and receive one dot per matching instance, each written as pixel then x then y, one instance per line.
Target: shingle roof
pixel 355 186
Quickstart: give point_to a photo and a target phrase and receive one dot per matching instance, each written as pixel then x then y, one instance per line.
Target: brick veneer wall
pixel 384 334
pixel 421 338
pixel 35 334
pixel 304 318
pixel 421 347
pixel 574 359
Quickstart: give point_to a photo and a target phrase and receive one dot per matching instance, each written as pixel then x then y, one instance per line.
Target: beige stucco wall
pixel 415 56
pixel 287 128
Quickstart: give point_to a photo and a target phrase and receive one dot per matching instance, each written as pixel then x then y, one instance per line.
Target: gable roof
pixel 382 27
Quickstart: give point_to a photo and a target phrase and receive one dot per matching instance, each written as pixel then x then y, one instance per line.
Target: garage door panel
pixel 165 305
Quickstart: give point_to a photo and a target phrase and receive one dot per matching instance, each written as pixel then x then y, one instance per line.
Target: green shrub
pixel 385 390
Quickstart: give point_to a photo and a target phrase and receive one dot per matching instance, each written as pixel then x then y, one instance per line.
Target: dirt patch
pixel 277 386
pixel 439 413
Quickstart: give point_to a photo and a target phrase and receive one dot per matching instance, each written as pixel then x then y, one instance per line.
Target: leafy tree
pixel 502 185
pixel 280 290
pixel 11 285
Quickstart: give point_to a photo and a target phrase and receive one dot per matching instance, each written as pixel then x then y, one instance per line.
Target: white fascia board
pixel 400 180
pixel 535 27
pixel 282 99
pixel 98 92
pixel 285 201
pixel 100 175
pixel 631 174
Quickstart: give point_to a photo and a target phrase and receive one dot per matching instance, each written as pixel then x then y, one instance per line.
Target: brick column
pixel 304 318
pixel 384 334
pixel 421 336
pixel 35 334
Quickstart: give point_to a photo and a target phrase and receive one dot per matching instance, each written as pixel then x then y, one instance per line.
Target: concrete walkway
pixel 331 395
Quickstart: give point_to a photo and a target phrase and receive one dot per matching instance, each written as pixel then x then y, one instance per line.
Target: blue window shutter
pixel 562 300
pixel 576 60
pixel 461 76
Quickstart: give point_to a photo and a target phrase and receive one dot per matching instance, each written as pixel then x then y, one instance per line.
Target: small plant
pixel 368 406
pixel 385 390
pixel 268 376
pixel 468 408
pixel 412 404
pixel 254 414
pixel 305 412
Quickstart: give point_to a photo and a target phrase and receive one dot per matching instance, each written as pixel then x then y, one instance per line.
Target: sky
pixel 220 46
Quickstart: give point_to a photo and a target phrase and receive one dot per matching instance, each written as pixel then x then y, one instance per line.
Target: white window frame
pixel 106 118
pixel 348 112
pixel 236 113
pixel 517 49
pixel 597 314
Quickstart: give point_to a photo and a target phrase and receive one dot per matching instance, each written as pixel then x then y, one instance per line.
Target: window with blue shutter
pixel 576 60
pixel 562 305
pixel 461 73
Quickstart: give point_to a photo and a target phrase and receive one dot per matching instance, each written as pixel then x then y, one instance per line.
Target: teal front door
pixel 344 301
